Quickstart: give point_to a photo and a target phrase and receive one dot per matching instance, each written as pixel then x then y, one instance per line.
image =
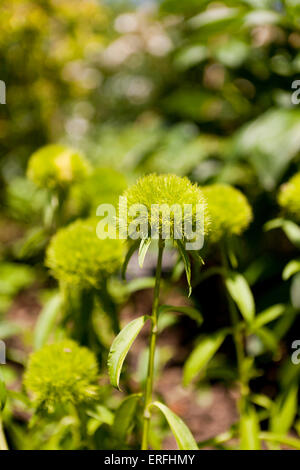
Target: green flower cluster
pixel 56 166
pixel 229 210
pixel 289 197
pixel 77 256
pixel 61 373
pixel 103 186
pixel 166 191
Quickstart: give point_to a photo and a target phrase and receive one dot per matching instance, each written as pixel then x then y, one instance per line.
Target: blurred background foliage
pixel 191 87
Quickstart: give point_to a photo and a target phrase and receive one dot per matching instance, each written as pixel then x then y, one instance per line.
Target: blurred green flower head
pixel 77 256
pixel 289 197
pixel 61 373
pixel 166 205
pixel 229 210
pixel 55 166
pixel 103 186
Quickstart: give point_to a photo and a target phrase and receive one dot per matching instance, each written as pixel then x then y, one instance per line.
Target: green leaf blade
pixel 181 432
pixel 120 348
pixel 240 292
pixel 201 355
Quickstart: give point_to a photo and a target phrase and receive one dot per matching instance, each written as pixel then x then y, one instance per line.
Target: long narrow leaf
pixel 249 429
pixel 181 432
pixel 202 354
pixel 240 291
pixel 190 311
pixel 187 264
pixel 121 346
pixel 144 246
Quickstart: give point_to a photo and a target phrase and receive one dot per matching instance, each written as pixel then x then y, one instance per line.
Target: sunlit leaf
pixel 241 293
pixel 189 311
pixel 249 429
pixel 181 432
pixel 46 320
pixel 144 246
pixel 121 346
pixel 187 264
pixel 202 354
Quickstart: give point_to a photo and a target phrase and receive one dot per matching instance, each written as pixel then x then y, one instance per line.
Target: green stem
pixel 150 374
pixel 3 443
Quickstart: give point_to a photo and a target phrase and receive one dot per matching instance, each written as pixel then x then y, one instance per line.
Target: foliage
pixel 77 256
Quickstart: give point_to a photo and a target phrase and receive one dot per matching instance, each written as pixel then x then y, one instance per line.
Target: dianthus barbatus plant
pixel 83 263
pixel 62 373
pixel 154 197
pixel 55 168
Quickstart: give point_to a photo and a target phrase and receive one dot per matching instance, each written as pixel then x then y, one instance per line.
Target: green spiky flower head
pixel 61 373
pixel 77 256
pixel 165 200
pixel 229 210
pixel 103 186
pixel 289 197
pixel 56 166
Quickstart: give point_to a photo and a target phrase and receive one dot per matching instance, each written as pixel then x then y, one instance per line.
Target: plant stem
pixel 3 443
pixel 150 374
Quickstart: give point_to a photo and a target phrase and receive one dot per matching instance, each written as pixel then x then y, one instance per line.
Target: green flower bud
pixel 289 197
pixel 229 210
pixel 77 256
pixel 61 373
pixel 56 166
pixel 168 192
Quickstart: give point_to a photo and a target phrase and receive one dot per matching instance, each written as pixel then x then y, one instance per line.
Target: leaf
pixel 46 320
pixel 268 338
pixel 140 283
pixel 101 414
pixel 249 429
pixel 128 256
pixel 287 440
pixel 202 354
pixel 124 416
pixel 190 311
pixel 292 232
pixel 291 229
pixel 187 264
pixel 144 246
pixel 240 291
pixel 267 316
pixel 181 432
pixel 121 346
pixel 285 411
pixel 291 268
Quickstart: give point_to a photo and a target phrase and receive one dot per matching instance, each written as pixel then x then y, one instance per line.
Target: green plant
pixel 56 168
pixel 83 264
pixel 61 374
pixel 157 190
